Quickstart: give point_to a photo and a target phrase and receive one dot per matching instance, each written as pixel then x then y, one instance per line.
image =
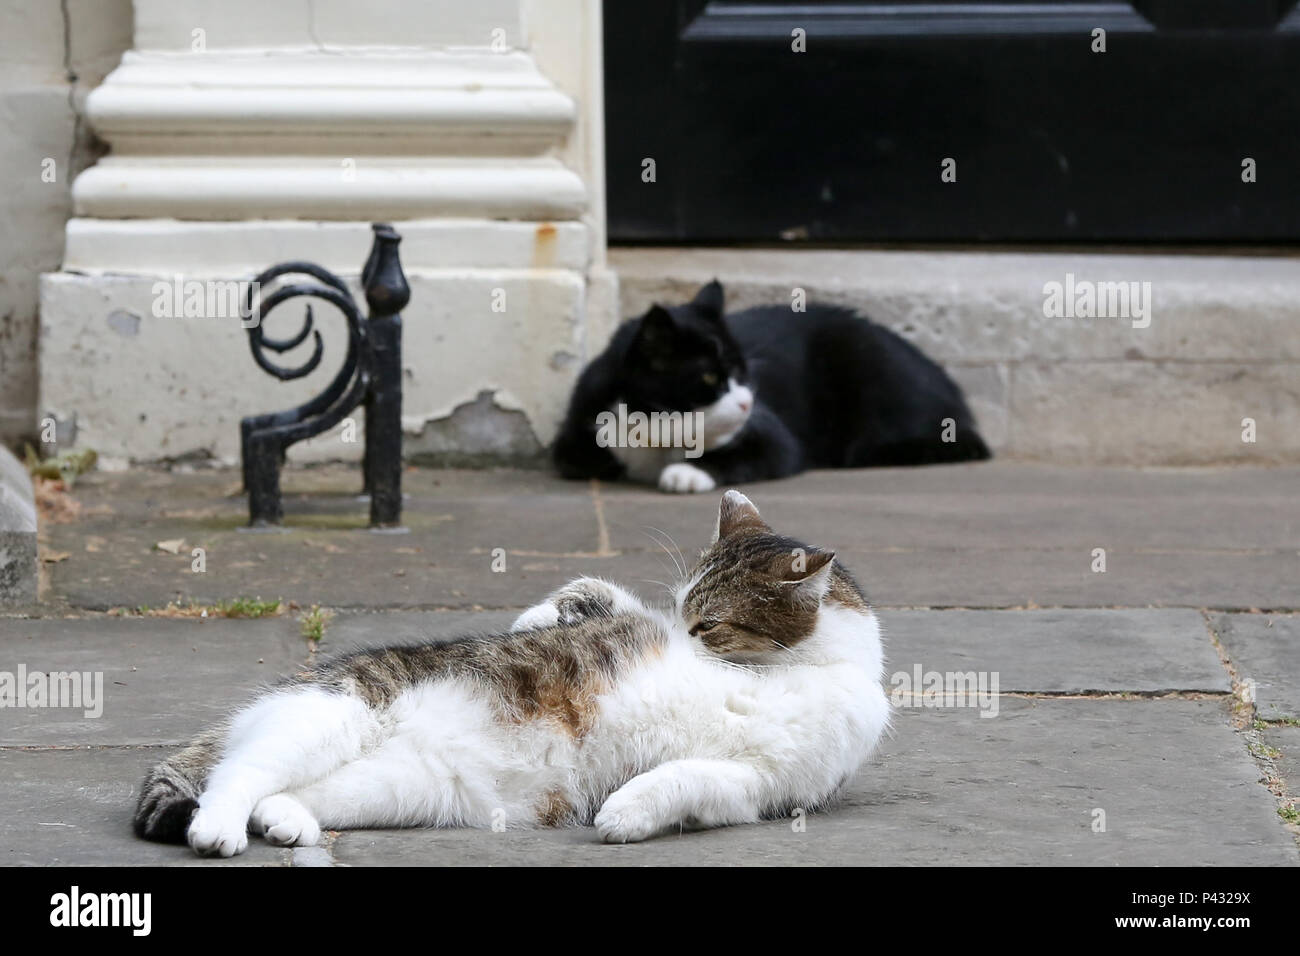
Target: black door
pixel 953 121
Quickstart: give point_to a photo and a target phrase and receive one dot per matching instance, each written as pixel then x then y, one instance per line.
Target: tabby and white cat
pixel 759 692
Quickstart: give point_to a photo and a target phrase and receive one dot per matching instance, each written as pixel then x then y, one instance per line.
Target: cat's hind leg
pixel 401 785
pixel 446 760
pixel 285 740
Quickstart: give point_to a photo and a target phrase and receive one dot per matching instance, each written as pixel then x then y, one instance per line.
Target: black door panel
pixel 1052 141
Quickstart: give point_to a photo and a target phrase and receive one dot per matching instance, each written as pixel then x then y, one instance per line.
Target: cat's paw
pixel 541 615
pixel 685 478
pixel 213 832
pixel 574 603
pixel 284 821
pixel 584 598
pixel 626 818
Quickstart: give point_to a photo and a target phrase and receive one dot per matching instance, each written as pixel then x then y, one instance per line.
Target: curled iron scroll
pixel 332 290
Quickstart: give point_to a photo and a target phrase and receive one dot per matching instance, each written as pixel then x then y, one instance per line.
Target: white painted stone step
pixel 1208 344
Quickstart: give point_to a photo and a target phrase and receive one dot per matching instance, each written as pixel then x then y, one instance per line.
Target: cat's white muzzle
pixel 724 419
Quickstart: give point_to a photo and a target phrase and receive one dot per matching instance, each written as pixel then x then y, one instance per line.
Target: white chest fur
pixel 718 423
pixel 806 726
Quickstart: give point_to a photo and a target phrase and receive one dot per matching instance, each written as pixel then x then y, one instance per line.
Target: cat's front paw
pixel 585 598
pixel 685 478
pixel 626 819
pixel 541 615
pixel 284 821
pixel 215 833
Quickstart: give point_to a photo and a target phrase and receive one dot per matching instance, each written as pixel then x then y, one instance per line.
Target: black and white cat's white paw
pixel 684 478
pixel 284 821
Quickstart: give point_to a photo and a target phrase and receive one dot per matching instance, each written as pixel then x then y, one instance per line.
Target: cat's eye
pixel 703 628
pixel 709 378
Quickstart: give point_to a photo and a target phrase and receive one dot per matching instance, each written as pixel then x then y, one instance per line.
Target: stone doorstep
pixel 18 560
pixel 134 385
pixel 1222 343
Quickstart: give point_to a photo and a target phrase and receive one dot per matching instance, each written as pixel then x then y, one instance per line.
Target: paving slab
pixel 1003 535
pixel 1265 648
pixel 356 629
pixel 1173 778
pixel 1060 651
pixel 992 535
pixel 1175 782
pixel 1048 651
pixel 973 577
pixel 324 554
pixel 163 679
pixel 73 808
pixel 993 506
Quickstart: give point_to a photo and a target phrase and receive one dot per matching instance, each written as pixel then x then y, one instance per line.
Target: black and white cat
pixel 774 392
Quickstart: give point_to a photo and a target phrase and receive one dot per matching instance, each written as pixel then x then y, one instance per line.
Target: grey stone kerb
pixel 17 532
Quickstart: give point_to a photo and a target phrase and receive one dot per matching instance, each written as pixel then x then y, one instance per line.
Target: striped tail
pixel 170 793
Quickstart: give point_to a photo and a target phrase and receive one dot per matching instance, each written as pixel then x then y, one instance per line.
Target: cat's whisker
pixel 681 558
pixel 660 561
pixel 735 665
pixel 667 587
pixel 679 562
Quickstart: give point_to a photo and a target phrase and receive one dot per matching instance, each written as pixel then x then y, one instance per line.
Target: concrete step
pixel 1205 345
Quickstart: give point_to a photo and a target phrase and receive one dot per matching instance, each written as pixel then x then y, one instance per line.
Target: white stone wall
pixel 244 134
pixel 51 54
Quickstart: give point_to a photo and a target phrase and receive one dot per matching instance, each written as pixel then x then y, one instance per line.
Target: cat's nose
pixel 743 404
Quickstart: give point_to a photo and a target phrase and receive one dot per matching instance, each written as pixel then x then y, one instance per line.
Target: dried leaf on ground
pixel 326 546
pixel 52 499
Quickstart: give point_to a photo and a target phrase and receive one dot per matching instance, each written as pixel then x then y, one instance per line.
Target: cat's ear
pixel 810 576
pixel 656 333
pixel 735 514
pixel 710 300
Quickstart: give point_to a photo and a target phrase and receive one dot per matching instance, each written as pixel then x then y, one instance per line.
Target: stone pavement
pixel 1145 714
